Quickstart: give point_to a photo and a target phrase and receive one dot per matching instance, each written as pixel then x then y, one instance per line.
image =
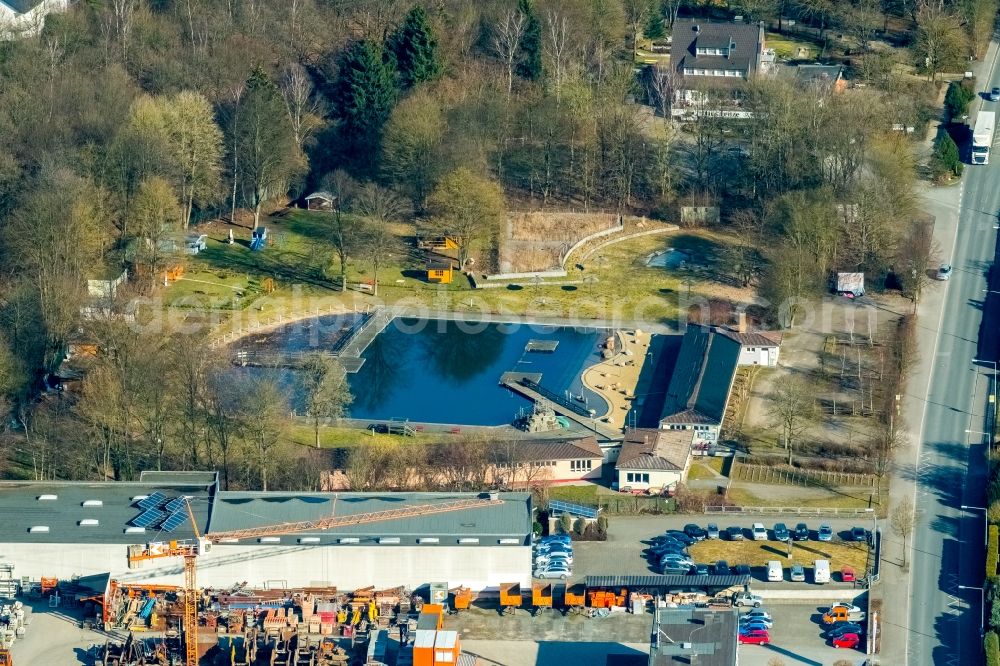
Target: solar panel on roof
pixel 174 521
pixel 152 501
pixel 148 518
pixel 175 504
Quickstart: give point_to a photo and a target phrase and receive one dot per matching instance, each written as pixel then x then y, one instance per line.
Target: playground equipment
pixel 259 239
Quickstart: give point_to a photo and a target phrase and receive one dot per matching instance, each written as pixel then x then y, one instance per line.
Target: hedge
pixel 992 647
pixel 992 551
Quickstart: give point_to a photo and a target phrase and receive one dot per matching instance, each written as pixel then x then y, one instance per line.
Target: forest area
pixel 125 123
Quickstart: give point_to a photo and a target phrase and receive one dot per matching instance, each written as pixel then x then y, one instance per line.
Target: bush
pixel 946 160
pixel 580 526
pixel 565 523
pixel 957 99
pixel 993 598
pixel 992 648
pixel 602 523
pixel 536 528
pixel 992 551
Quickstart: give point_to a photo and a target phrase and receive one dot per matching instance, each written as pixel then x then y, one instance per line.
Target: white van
pixel 821 571
pixel 774 571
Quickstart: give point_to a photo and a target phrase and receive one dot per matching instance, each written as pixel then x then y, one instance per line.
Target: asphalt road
pixel 948 551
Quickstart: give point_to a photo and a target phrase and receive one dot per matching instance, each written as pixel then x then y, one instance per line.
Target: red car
pixel 849 641
pixel 756 637
pixel 847 575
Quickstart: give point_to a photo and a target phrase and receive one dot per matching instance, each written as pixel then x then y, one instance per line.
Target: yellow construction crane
pixel 191 549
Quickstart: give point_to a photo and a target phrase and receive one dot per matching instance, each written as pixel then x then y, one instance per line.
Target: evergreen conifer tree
pixel 414 49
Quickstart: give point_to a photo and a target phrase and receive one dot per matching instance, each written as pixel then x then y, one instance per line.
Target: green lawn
pixel 702 468
pixel 848 499
pixel 300 259
pixel 788 47
pixel 586 495
pixel 345 438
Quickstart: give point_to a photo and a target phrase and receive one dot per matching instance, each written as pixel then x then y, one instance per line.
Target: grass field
pixel 790 49
pixel 345 438
pixel 759 553
pixel 849 499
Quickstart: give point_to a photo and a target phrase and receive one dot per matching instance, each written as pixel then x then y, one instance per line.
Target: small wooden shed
pixel 321 201
pixel 440 272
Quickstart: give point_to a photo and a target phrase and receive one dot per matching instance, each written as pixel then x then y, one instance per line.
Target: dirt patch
pixel 538 240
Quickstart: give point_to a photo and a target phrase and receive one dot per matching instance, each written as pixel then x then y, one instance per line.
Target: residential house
pixel 653 459
pixel 691 635
pixel 23 18
pixel 714 57
pixel 756 347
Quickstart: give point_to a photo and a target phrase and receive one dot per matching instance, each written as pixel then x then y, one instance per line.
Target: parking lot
pixel 797 638
pixel 622 553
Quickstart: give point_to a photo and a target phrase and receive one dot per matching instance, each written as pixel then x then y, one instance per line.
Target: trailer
pixel 541 597
pixel 510 597
pixel 461 599
pixel 982 137
pixel 574 597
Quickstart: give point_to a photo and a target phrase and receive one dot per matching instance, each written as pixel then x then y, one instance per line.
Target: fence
pixel 799 477
pixel 788 510
pixel 631 505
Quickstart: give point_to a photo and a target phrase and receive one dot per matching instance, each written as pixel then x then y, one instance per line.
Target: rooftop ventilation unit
pixel 308 539
pixel 509 542
pixel 39 529
pixel 48 498
pixel 139 497
pixel 89 522
pixel 229 540
pixel 134 530
pixel 429 540
pixel 469 540
pixel 269 540
pixel 350 540
pixel 93 502
pixel 389 540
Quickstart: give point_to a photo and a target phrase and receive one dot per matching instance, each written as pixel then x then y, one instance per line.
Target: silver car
pixel 554 570
pixel 798 574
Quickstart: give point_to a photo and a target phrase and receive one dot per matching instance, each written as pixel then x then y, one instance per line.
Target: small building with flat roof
pixel 690 635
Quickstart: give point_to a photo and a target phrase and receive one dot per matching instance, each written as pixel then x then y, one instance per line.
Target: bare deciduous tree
pixel 792 406
pixel 556 48
pixel 300 101
pixel 507 34
pixel 903 520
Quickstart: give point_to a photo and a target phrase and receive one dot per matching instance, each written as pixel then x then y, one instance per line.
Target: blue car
pixel 824 533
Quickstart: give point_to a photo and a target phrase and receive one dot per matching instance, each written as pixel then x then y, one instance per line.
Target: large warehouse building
pixel 67 529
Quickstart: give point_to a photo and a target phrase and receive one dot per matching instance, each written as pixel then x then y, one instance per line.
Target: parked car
pixel 699 570
pixel 775 572
pixel 842 628
pixel 734 533
pixel 677 535
pixel 554 549
pixel 798 573
pixel 554 570
pixel 824 533
pixel 545 558
pixel 759 532
pixel 721 568
pixel 781 532
pixel 848 607
pixel 755 637
pixel 847 575
pixel 821 572
pixel 849 641
pixel 665 538
pixel 676 561
pixel 758 613
pixel 747 599
pixel 712 531
pixel 859 534
pixel 801 532
pixel 695 532
pixel 843 614
pixel 667 547
pixel 752 625
pixel 675 569
pixel 944 272
pixel 994 94
pixel 742 570
pixel 556 538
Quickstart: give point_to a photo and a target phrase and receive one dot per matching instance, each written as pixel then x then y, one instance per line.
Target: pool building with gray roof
pixel 69 529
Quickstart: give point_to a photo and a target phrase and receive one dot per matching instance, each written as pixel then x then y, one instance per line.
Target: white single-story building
pixel 74 529
pixel 531 462
pixel 653 459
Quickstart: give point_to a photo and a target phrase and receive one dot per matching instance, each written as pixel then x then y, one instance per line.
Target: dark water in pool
pixel 440 371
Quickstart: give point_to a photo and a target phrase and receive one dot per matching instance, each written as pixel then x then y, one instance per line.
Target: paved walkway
pixel 944 203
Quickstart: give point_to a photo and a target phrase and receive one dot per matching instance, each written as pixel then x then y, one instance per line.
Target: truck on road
pixel 982 137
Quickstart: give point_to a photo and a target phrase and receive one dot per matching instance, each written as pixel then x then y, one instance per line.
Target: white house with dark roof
pixel 22 18
pixel 653 459
pixel 712 56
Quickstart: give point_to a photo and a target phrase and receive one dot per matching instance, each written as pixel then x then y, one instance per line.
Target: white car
pixel 850 608
pixel 545 559
pixel 759 532
pixel 554 570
